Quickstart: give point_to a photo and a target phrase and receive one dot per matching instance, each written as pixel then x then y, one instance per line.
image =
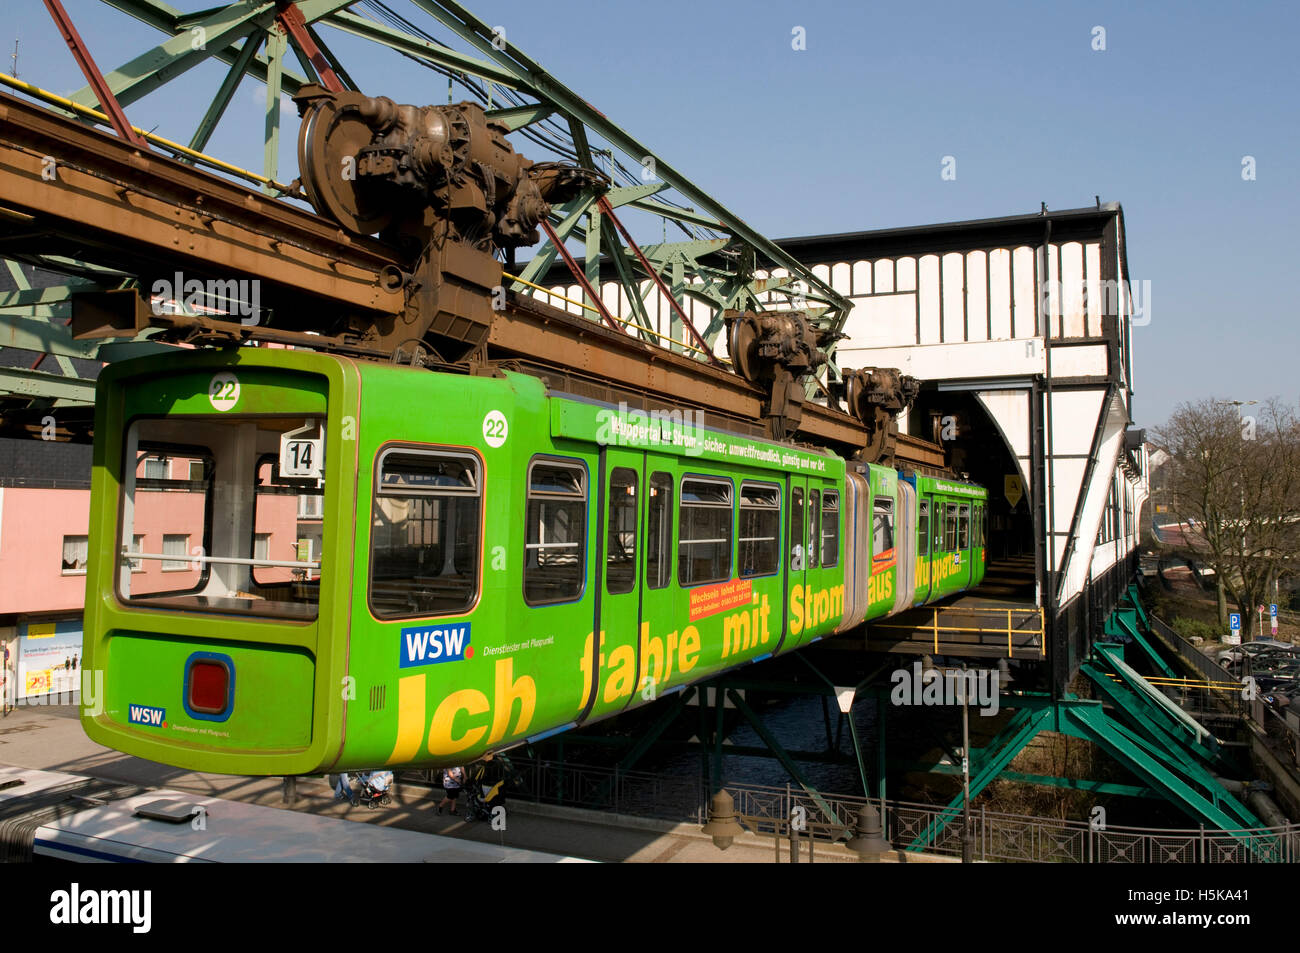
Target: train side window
pixel 950 527
pixel 814 526
pixel 659 532
pixel 796 530
pixel 424 533
pixel 620 560
pixel 704 546
pixel 830 529
pixel 555 550
pixel 882 527
pixel 923 526
pixel 963 527
pixel 760 529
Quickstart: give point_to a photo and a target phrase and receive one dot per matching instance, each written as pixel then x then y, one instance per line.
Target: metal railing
pixel 1005 627
pixel 909 825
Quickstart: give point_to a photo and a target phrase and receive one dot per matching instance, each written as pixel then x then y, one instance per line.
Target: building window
pixel 137 546
pixel 760 529
pixel 830 529
pixel 704 549
pixel 923 527
pixel 175 545
pixel 424 533
pixel 556 548
pixel 76 551
pixel 155 468
pixel 659 532
pixel 963 527
pixel 262 546
pixel 620 560
pixel 311 507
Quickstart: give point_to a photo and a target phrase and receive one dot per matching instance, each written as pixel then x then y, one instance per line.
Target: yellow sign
pixel 1014 489
pixel 39 630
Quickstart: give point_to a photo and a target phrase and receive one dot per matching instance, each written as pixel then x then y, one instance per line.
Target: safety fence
pixel 1277 720
pixel 994 836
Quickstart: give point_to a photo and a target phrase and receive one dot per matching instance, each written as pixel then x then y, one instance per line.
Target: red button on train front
pixel 209 687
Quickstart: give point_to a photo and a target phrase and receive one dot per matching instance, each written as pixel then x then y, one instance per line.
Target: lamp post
pixel 968 832
pixel 868 840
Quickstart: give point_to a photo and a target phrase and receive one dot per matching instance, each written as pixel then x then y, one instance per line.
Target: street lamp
pixel 722 825
pixel 968 832
pixel 868 840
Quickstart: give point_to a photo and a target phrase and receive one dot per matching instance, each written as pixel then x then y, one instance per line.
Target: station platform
pixel 50 738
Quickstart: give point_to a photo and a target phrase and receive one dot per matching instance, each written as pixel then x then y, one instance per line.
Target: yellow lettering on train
pixel 442 739
pixel 623 662
pixel 735 633
pixel 584 666
pixel 508 691
pixel 689 649
pixel 650 649
pixel 410 719
pixel 747 628
pixel 880 587
pixel 809 607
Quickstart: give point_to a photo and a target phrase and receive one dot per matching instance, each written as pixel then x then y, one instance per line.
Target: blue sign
pixel 146 715
pixel 429 645
pixel 1234 620
pixel 1272 609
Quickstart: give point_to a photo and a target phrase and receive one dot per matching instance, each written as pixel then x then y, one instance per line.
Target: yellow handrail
pixel 622 321
pixel 14 83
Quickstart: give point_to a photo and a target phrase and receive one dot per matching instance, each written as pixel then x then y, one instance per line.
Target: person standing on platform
pixel 453 779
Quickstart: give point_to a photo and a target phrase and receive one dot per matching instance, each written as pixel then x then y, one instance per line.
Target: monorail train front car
pixel 304 563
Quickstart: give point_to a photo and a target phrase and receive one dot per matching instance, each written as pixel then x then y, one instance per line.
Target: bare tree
pixel 1235 480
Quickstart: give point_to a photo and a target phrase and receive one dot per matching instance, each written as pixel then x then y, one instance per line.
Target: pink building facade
pixel 43 554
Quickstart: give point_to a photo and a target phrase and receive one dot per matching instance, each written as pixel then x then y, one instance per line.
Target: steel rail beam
pixel 107 194
pixel 29 383
pixel 530 330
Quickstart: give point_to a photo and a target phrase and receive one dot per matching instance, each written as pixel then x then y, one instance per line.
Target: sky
pixel 1166 108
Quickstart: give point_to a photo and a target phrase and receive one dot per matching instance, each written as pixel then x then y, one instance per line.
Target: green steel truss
pixel 722 263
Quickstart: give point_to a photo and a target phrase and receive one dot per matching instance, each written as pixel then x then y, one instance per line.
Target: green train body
pixel 474 562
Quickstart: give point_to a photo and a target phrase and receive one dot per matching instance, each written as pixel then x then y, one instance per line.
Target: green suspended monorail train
pixel 302 563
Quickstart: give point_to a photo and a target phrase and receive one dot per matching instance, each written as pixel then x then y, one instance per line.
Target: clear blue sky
pixel 849 133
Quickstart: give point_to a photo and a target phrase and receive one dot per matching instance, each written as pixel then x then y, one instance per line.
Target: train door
pixel 796 557
pixel 658 586
pixel 978 552
pixel 857 555
pixel 905 587
pixel 924 549
pixel 621 531
pixel 965 553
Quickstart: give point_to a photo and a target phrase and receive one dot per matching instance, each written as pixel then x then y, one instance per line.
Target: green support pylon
pixel 1211 803
pixel 1023 726
pixel 1123 623
pixel 1146 709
